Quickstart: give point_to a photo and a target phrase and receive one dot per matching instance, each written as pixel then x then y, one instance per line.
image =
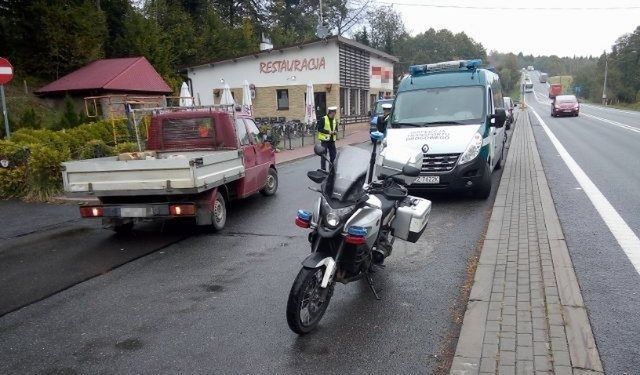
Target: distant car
pixel 543 77
pixel 508 106
pixel 565 105
pixel 528 85
pixel 530 68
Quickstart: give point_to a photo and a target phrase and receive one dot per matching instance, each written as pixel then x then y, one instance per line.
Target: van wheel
pixel 499 163
pixel 271 186
pixel 484 190
pixel 219 213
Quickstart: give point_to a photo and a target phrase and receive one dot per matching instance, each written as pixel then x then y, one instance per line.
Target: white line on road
pixel 608 109
pixel 614 123
pixel 626 238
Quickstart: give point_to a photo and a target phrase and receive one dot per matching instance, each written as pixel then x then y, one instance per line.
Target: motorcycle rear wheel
pixel 304 307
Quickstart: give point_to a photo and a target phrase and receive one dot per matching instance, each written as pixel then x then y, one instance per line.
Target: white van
pixel 454 112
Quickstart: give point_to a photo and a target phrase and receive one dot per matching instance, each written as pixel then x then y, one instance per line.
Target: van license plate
pixel 133 212
pixel 428 180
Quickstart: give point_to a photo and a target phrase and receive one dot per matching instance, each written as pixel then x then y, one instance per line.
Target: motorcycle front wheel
pixel 306 304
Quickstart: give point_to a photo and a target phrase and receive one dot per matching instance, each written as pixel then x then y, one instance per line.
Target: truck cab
pixel 454 113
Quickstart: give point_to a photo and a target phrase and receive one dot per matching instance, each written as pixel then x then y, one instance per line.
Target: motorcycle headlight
pixel 332 216
pixel 473 149
pixel 332 219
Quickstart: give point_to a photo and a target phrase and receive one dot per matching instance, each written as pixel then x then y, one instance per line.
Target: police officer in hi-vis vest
pixel 327 132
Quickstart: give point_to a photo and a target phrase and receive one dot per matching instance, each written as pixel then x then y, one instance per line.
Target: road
pixel 603 142
pixel 198 302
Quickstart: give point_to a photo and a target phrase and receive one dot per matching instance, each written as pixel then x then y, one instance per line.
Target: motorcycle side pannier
pixel 411 218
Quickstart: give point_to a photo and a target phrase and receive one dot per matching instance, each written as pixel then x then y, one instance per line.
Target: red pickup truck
pixel 555 90
pixel 195 162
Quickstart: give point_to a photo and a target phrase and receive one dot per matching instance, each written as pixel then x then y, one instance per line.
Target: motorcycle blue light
pixel 357 231
pixel 304 215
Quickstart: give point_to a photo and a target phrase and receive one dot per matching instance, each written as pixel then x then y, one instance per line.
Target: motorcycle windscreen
pixel 346 182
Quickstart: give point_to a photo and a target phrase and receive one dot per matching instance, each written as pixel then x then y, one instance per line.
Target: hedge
pixel 35 156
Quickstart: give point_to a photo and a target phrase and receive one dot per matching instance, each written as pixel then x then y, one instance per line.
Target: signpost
pixel 6 74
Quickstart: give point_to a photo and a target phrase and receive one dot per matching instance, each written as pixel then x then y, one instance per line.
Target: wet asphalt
pixel 610 285
pixel 191 301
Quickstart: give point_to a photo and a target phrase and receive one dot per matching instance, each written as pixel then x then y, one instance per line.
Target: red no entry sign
pixel 6 71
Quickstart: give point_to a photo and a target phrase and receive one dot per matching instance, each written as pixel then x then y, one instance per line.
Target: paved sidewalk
pixel 525 312
pixel 354 133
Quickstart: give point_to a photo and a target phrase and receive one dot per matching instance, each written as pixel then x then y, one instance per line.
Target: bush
pixel 44 172
pixel 36 155
pixel 95 149
pixel 12 179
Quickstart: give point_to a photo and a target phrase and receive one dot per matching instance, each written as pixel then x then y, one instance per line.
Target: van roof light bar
pixel 445 66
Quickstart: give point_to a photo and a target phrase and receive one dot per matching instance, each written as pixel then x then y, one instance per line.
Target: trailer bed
pixel 169 173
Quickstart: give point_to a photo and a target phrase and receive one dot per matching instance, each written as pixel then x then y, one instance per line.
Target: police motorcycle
pixel 353 226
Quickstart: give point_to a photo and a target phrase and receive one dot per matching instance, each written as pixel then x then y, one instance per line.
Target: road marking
pixel 614 123
pixel 626 238
pixel 611 109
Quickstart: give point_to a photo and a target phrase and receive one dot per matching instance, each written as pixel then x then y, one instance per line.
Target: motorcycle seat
pixel 386 203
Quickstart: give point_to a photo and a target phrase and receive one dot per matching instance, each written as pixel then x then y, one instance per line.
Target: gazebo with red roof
pixel 103 86
pixel 130 75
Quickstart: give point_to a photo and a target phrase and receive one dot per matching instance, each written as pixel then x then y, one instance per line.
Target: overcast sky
pixel 533 31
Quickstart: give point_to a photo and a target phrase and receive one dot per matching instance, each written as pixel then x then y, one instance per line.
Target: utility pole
pixel 604 88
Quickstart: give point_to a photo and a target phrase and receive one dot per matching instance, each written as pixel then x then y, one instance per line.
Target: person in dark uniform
pixel 327 133
pixel 383 119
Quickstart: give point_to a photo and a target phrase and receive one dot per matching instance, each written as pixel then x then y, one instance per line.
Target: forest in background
pixel 46 39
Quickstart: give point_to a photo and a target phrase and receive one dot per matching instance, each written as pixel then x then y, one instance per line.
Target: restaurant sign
pixel 292 65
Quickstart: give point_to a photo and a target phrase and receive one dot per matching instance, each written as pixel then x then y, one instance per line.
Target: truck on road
pixel 544 77
pixel 196 161
pixel 555 89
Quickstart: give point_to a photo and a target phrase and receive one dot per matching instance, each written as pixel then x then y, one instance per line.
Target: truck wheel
pixel 219 213
pixel 123 228
pixel 271 185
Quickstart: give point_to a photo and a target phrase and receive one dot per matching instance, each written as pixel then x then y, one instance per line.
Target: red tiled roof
pixel 125 74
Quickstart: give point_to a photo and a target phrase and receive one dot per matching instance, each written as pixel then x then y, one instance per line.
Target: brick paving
pixel 525 313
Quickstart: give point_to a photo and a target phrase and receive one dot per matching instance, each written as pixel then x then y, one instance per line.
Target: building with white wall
pixel 344 73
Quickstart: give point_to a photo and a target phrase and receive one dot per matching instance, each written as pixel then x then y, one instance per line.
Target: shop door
pixel 320 99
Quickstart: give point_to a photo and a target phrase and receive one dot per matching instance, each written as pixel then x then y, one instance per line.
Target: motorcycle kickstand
pixel 372 287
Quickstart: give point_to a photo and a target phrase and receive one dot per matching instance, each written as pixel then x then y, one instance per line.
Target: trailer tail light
pixel 356 235
pixel 182 209
pixel 91 211
pixel 303 220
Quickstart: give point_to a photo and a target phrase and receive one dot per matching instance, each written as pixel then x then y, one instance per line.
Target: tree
pixel 362 36
pixel 387 29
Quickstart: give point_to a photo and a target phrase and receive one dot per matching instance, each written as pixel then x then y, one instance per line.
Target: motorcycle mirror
pixel 317 176
pixel 410 171
pixel 319 149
